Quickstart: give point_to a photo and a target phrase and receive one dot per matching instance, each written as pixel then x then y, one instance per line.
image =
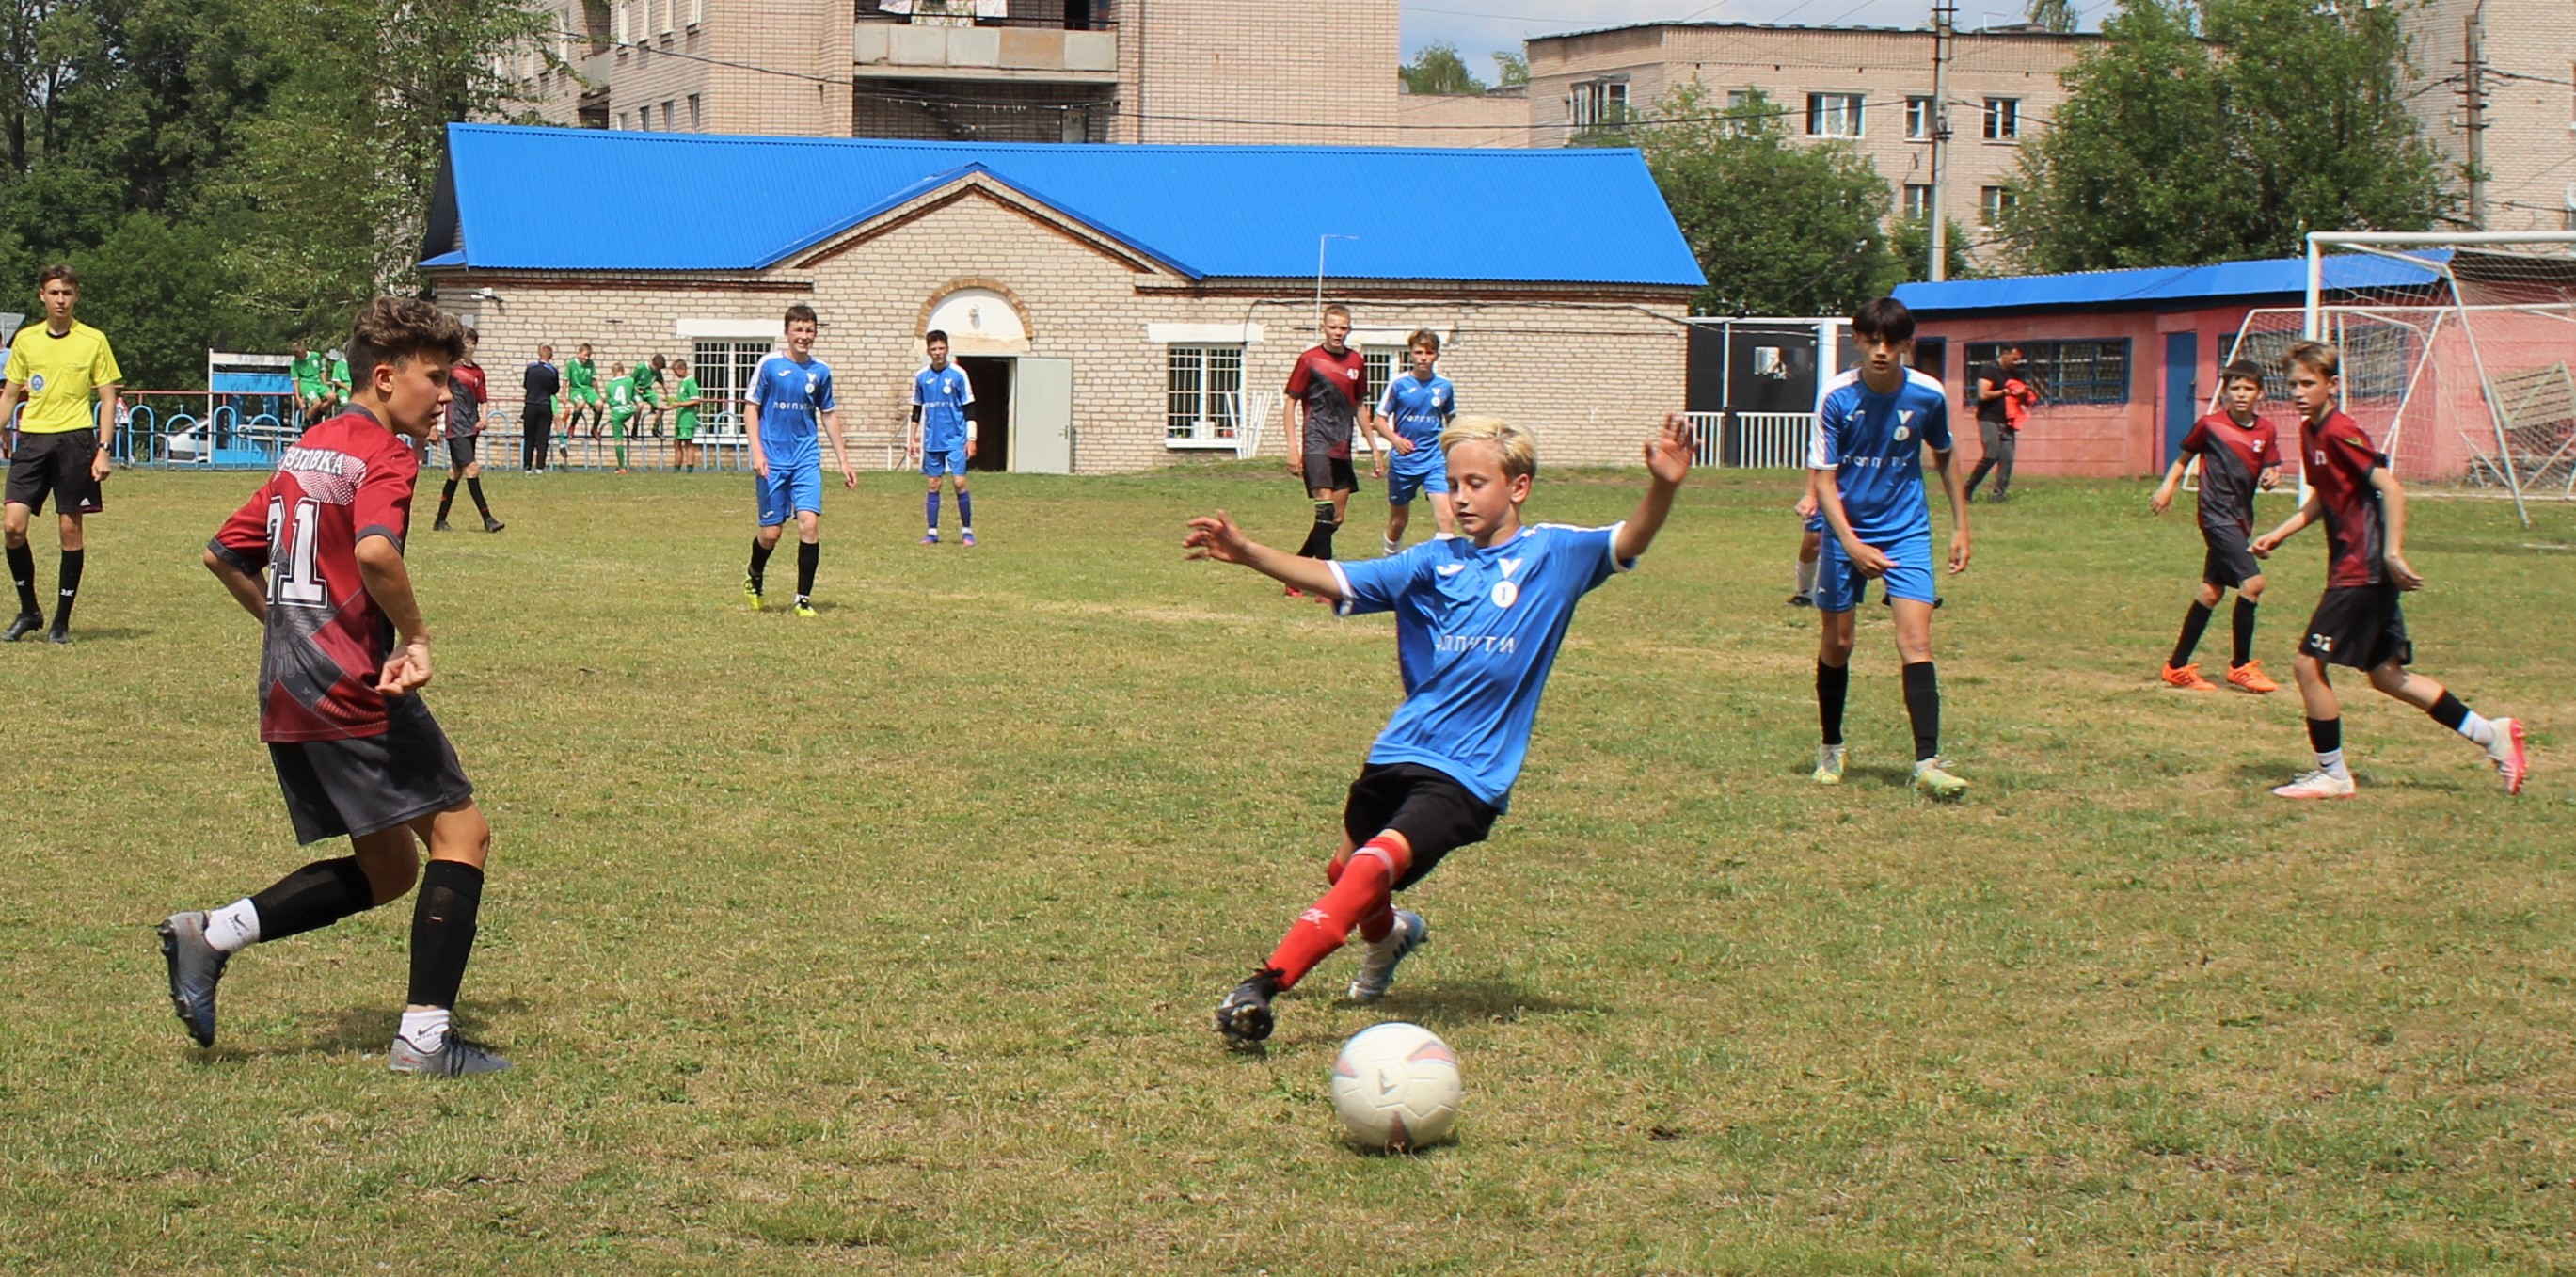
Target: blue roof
pixel 509 199
pixel 2164 287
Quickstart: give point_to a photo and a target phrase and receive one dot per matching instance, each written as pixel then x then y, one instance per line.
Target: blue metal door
pixel 2182 390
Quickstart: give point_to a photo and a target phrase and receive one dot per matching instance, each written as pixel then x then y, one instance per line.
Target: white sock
pixel 234 927
pixel 2331 763
pixel 1388 543
pixel 1807 576
pixel 2480 731
pixel 425 1029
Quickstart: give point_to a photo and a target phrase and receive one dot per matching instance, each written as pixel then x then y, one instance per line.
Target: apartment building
pixel 1870 87
pixel 978 70
pixel 2519 57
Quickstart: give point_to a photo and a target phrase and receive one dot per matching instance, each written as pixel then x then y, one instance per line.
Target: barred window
pixel 1203 394
pixel 725 370
pixel 2067 372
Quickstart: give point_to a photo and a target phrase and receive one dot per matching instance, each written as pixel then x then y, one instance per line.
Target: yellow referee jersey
pixel 61 376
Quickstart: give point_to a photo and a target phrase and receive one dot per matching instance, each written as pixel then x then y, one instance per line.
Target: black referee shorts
pixel 2360 626
pixel 1434 813
pixel 365 784
pixel 56 465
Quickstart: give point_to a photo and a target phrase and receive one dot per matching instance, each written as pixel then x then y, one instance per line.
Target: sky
pixel 1479 27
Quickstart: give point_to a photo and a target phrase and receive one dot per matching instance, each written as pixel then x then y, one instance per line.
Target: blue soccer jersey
pixel 942 396
pixel 1874 445
pixel 1419 409
pixel 1476 632
pixel 792 399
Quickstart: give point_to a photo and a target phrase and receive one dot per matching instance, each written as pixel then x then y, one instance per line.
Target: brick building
pixel 977 70
pixel 1868 86
pixel 1119 307
pixel 2526 86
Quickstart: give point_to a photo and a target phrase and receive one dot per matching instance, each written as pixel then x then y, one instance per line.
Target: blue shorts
pixel 1840 587
pixel 943 461
pixel 1406 476
pixel 789 489
pixel 1815 522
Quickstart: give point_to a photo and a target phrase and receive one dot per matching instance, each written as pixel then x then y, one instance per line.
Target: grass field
pixel 886 941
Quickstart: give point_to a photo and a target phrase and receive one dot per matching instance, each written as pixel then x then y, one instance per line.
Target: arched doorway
pixel 1023 403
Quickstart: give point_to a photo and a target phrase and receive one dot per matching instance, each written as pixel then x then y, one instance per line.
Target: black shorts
pixel 2231 560
pixel 365 784
pixel 56 465
pixel 2360 626
pixel 1330 474
pixel 1434 813
pixel 460 450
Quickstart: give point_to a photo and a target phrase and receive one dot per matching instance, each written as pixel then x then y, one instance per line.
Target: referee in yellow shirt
pixel 68 379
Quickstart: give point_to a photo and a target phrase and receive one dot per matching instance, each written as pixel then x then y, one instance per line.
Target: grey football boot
pixel 195 966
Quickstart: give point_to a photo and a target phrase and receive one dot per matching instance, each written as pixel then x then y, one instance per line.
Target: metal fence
pixel 1753 440
pixel 178 431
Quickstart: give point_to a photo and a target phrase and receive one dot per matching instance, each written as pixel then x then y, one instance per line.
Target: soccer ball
pixel 1397 1087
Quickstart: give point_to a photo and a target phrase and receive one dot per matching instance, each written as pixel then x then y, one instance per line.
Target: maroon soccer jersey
pixel 1333 387
pixel 2339 460
pixel 347 479
pixel 2232 461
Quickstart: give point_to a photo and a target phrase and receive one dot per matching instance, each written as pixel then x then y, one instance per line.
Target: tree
pixel 1511 70
pixel 1778 228
pixel 1911 240
pixel 2210 130
pixel 2052 15
pixel 1438 68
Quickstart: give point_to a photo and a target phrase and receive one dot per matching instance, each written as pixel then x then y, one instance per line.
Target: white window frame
pixel 670 16
pixel 697 13
pixel 1205 412
pixel 644 118
pixel 1993 202
pixel 619 22
pixel 2003 119
pixel 724 368
pixel 1918 118
pixel 1918 199
pixel 697 114
pixel 1827 108
pixel 1599 103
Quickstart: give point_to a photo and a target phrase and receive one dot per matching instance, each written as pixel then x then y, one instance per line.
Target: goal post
pixel 2457 347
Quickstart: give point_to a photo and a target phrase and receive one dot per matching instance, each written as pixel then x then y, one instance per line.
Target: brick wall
pixel 1319 72
pixel 2530 141
pixel 1444 119
pixel 1589 371
pixel 807 39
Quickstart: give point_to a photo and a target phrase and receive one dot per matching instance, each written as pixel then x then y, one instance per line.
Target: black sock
pixel 2325 735
pixel 1319 538
pixel 22 569
pixel 1923 707
pixel 442 930
pixel 1833 686
pixel 67 587
pixel 312 898
pixel 474 486
pixel 2449 711
pixel 2193 622
pixel 2244 624
pixel 446 500
pixel 760 563
pixel 808 553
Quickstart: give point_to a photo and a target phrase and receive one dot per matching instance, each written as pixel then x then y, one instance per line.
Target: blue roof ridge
pixel 938 182
pixel 1553 155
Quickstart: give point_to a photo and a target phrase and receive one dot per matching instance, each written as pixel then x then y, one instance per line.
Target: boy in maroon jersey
pixel 2239 452
pixel 345 656
pixel 463 432
pixel 1331 383
pixel 2358 622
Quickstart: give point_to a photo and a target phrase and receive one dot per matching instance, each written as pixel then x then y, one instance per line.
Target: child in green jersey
pixel 685 398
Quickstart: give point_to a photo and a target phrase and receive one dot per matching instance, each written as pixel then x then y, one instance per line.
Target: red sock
pixel 1359 897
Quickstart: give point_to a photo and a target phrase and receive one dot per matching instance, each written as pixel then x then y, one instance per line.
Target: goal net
pixel 2457 353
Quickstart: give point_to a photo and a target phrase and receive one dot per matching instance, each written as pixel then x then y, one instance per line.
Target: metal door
pixel 2182 391
pixel 1042 417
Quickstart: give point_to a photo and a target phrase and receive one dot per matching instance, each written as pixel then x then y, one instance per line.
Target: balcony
pixel 892 50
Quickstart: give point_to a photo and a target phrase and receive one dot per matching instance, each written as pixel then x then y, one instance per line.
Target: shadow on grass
pixel 1489 999
pixel 365 1030
pixel 80 635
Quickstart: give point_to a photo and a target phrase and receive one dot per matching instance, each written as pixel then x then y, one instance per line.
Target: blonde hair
pixel 1337 308
pixel 1423 337
pixel 2317 357
pixel 1518 446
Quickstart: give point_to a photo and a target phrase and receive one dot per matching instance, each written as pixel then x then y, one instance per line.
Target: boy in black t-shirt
pixel 2239 453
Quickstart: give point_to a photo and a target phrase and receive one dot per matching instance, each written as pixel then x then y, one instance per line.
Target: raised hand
pixel 1216 537
pixel 1669 450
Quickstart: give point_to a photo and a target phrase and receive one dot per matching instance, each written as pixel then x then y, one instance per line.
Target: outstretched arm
pixel 1668 462
pixel 1216 537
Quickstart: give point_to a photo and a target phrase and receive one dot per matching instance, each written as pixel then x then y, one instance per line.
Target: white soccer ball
pixel 1397 1087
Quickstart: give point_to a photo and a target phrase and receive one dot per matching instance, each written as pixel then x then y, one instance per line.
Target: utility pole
pixel 2473 115
pixel 1945 33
